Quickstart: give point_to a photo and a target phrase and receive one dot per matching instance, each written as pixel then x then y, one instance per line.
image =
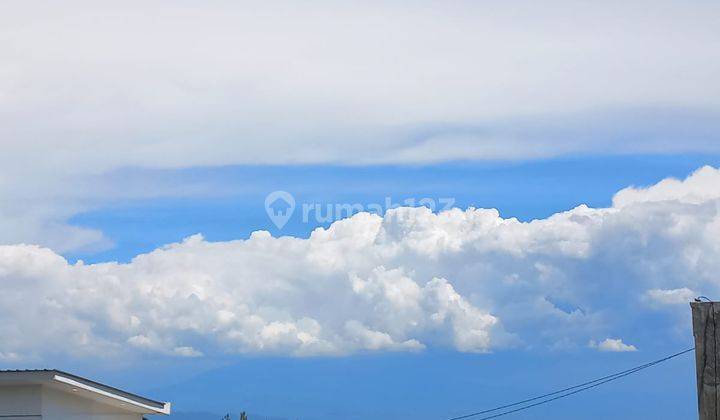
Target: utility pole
pixel 707 343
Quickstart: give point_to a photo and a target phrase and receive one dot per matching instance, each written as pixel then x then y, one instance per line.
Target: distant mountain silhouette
pixel 189 415
pixel 195 416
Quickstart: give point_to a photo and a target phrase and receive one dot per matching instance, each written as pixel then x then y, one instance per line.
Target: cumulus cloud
pixel 613 345
pixel 273 295
pixel 699 188
pixel 411 279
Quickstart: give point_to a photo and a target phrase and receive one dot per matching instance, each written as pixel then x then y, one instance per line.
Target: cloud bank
pixel 235 82
pixel 411 280
pixel 168 85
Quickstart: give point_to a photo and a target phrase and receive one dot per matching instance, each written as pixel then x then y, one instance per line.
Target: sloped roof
pixel 86 387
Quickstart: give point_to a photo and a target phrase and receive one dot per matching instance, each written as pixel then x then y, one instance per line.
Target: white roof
pixel 85 388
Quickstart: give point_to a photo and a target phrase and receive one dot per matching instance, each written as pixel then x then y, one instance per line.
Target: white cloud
pixel 698 188
pixel 186 351
pixel 613 345
pixel 376 340
pixel 670 297
pixel 466 279
pixel 237 88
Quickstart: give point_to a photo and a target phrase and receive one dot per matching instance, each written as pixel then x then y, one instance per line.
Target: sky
pixel 487 201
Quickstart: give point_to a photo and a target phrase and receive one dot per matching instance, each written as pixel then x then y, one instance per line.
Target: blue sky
pixel 226 207
pixel 432 384
pixel 577 143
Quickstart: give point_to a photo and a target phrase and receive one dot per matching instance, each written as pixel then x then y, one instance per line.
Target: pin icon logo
pixel 279 206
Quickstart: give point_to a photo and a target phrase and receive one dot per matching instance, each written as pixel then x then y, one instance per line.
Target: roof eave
pixel 165 409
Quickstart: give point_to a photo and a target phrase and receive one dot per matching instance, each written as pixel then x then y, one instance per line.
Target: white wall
pixel 58 405
pixel 20 401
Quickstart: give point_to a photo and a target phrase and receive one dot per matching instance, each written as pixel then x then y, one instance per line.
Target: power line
pixel 556 392
pixel 565 392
